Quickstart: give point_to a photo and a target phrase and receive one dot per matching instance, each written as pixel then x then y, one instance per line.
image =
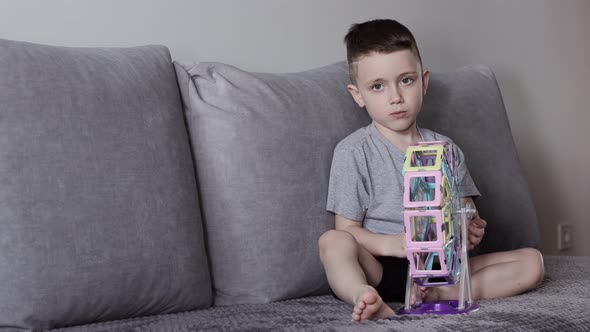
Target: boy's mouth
pixel 398 115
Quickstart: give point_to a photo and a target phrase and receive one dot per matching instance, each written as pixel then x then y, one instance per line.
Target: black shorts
pixel 392 287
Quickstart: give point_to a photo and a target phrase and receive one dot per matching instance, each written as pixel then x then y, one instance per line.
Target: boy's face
pixel 391 87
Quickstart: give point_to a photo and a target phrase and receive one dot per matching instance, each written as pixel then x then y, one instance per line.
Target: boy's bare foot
pixel 420 291
pixel 370 306
pixel 440 293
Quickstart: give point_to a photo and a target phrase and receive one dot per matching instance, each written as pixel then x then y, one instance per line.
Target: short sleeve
pixel 466 184
pixel 348 193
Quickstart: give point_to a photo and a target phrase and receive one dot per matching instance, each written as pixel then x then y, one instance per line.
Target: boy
pixel 364 257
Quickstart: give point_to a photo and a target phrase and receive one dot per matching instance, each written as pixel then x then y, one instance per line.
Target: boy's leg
pixel 506 273
pixel 499 274
pixel 353 273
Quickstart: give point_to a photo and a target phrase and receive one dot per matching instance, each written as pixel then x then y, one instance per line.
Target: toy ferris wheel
pixel 436 228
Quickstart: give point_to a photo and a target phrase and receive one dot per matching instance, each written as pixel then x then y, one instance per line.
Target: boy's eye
pixel 377 87
pixel 407 81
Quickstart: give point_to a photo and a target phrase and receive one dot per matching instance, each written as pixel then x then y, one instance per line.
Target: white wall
pixel 539 50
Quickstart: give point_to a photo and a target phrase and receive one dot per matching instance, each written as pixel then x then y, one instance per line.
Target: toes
pixel 361 305
pixel 367 316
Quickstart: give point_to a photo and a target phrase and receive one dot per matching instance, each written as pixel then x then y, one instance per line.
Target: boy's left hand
pixel 475 231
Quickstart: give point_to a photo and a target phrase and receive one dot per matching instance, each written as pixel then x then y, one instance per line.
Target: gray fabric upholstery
pixel 560 304
pixel 467 106
pixel 99 209
pixel 99 216
pixel 263 146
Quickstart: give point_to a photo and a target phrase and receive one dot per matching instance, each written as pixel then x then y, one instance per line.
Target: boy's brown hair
pixel 381 36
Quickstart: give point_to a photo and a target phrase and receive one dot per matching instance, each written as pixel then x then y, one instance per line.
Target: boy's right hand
pixel 396 245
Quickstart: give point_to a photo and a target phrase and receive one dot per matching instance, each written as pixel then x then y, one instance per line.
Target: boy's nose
pixel 395 98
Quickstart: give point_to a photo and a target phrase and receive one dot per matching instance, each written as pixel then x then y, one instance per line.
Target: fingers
pixel 476 231
pixel 478 222
pixel 474 239
pixel 475 234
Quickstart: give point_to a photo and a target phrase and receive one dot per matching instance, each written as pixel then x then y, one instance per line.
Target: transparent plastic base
pixel 439 308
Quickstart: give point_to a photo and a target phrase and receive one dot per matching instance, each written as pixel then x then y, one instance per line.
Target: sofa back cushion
pixel 466 105
pixel 263 146
pixel 99 216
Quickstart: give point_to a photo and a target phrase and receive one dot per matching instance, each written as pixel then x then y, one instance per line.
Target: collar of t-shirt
pixel 397 153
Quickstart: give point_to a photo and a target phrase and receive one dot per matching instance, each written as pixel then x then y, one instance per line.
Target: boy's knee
pixel 334 239
pixel 534 260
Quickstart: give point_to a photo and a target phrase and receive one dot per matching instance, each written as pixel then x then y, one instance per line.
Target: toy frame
pixel 436 229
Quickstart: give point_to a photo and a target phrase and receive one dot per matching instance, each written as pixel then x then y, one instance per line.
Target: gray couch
pixel 138 194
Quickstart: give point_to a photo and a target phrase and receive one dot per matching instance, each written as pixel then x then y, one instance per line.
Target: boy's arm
pixel 376 244
pixel 476 226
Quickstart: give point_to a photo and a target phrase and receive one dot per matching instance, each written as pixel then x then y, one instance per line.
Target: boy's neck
pixel 401 139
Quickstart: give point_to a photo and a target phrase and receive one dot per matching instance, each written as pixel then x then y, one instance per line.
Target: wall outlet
pixel 565 236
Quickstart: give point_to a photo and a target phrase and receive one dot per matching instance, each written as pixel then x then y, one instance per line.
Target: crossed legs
pixel 353 274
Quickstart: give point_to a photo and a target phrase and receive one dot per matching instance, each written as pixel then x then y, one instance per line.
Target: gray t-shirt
pixel 366 180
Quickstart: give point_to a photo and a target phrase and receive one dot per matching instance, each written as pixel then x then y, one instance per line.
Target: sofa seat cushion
pixel 560 304
pixel 99 216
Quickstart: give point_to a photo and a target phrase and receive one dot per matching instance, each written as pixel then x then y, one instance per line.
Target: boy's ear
pixel 354 91
pixel 425 79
